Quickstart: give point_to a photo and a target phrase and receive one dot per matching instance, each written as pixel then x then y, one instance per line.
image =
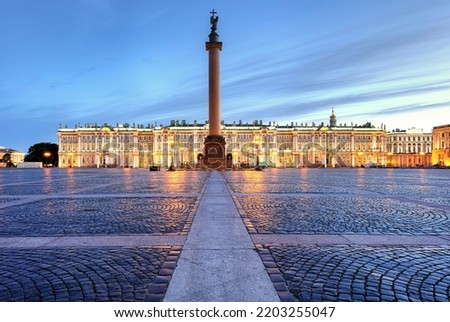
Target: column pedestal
pixel 215 157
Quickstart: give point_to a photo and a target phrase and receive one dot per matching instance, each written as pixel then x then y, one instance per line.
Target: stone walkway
pixel 289 235
pixel 219 262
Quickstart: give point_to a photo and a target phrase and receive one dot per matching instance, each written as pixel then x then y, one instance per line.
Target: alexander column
pixel 214 142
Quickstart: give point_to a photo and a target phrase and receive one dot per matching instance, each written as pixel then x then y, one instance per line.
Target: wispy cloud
pixel 71 79
pixel 300 81
pixel 409 108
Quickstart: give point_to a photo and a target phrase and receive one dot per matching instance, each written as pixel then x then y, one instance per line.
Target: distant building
pixel 441 145
pixel 409 148
pixel 290 145
pixel 13 156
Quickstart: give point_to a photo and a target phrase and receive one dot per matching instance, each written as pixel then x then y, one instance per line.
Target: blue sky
pixel 142 61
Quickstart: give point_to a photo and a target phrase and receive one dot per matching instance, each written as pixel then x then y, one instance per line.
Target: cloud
pixel 401 109
pixel 364 68
pixel 337 64
pixel 292 82
pixel 296 107
pixel 71 79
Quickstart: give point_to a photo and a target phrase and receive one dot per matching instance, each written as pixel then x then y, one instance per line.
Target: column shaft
pixel 214 91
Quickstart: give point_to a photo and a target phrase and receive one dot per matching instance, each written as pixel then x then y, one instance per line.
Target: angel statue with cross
pixel 214 20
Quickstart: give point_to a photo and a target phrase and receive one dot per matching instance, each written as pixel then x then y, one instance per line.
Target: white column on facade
pixel 135 150
pixel 60 155
pixel 96 150
pixel 352 148
pixel 78 150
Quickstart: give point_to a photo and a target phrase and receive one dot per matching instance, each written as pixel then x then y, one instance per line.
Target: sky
pixel 144 61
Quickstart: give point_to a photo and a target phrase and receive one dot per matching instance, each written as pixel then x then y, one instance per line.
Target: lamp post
pixel 47 156
pixel 172 163
pixel 70 160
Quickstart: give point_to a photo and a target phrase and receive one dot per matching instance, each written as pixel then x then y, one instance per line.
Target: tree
pixel 7 158
pixel 44 152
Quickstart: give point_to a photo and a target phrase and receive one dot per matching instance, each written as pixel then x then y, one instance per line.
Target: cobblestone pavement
pixel 38 206
pixel 339 203
pixel 439 201
pixel 331 215
pixel 362 273
pixel 87 274
pixel 139 219
pixel 95 181
pixel 93 216
pixel 359 201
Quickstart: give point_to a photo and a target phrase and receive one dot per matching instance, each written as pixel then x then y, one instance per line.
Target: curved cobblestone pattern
pixel 51 181
pixel 159 187
pixel 86 216
pixel 90 274
pixel 7 199
pixel 160 182
pixel 399 182
pixel 404 189
pixel 40 189
pixel 331 215
pixel 439 201
pixel 251 187
pixel 358 273
pixel 279 181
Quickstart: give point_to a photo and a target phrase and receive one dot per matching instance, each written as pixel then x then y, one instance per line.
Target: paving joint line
pixel 158 288
pixel 274 273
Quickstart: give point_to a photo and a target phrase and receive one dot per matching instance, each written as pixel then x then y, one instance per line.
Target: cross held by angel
pixel 214 20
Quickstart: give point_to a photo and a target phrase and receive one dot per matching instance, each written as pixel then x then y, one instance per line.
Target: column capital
pixel 209 45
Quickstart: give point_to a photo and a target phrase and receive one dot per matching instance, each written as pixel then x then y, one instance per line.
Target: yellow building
pixel 290 145
pixel 441 145
pixel 10 155
pixel 409 148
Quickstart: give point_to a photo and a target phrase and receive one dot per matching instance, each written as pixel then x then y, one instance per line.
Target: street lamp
pixel 47 156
